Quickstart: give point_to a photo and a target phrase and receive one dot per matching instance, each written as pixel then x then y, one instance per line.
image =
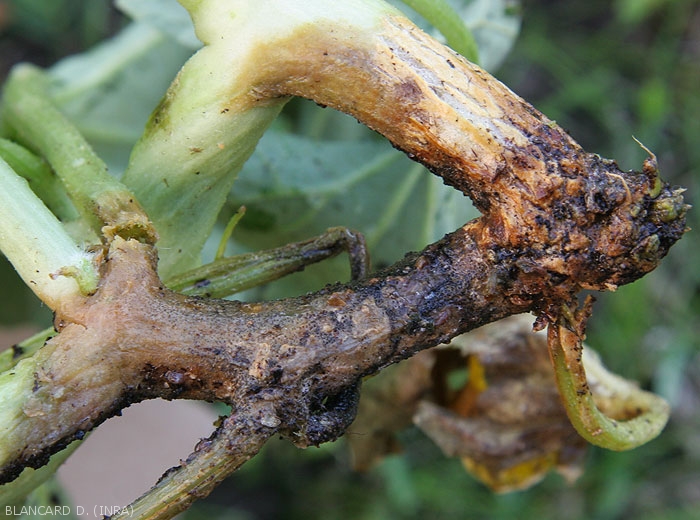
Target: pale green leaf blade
pixel 166 15
pixel 294 187
pixel 110 91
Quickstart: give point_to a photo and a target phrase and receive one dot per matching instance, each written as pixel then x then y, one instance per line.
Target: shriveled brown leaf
pixel 507 424
pixel 489 399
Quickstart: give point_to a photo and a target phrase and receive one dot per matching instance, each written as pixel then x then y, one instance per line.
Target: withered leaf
pixel 489 398
pixel 507 423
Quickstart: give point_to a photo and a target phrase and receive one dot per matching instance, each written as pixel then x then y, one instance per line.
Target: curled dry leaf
pixel 506 423
pixel 490 399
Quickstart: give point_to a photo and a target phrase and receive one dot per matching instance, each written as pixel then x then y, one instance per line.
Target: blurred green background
pixel 606 70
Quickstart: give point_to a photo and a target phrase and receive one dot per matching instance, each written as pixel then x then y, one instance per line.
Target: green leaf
pixel 635 11
pixel 440 14
pixel 295 186
pixel 166 15
pixel 57 26
pixel 495 25
pixel 110 91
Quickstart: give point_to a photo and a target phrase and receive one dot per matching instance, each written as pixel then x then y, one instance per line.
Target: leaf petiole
pixel 100 198
pixel 41 179
pixel 629 416
pixel 38 246
pixel 221 251
pixel 226 276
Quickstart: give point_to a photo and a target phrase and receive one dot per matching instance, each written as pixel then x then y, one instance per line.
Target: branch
pixel 236 442
pixel 100 198
pixel 555 220
pixel 36 244
pixel 133 340
pixel 541 194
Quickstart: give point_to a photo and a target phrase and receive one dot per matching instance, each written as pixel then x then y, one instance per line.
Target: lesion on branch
pixel 556 220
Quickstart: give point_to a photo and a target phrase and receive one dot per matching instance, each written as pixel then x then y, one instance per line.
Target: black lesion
pixel 204 282
pixel 330 415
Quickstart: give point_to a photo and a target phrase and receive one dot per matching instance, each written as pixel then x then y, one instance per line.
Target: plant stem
pixel 41 179
pixel 24 349
pixel 38 247
pixel 100 198
pixel 15 492
pixel 556 220
pixel 322 345
pixel 217 457
pixel 226 276
pixel 211 118
pixel 228 231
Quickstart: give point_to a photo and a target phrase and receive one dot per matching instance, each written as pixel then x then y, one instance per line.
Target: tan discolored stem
pixel 540 192
pixel 575 219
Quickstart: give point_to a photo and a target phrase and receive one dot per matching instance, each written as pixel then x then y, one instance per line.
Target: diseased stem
pixel 520 168
pixel 304 355
pixel 555 220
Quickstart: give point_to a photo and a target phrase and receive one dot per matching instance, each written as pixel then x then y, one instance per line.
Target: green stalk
pixel 228 231
pixel 631 417
pixel 100 198
pixel 24 349
pixel 38 246
pixel 41 179
pixel 210 120
pixel 217 457
pixel 226 276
